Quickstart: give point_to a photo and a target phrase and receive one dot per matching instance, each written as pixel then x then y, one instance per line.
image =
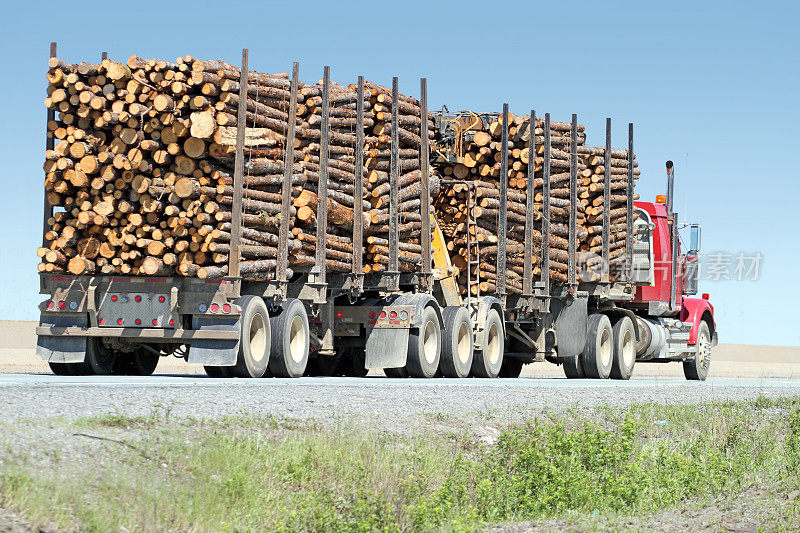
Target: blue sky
pixel 710 85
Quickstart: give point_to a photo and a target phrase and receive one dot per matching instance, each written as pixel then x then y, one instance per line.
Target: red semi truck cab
pixel 671 322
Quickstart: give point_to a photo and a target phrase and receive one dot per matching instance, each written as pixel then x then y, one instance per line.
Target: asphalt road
pixel 394 402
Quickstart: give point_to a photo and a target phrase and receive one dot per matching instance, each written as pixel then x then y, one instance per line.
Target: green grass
pixel 246 473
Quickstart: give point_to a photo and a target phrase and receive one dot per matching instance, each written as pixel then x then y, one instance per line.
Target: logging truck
pixel 596 314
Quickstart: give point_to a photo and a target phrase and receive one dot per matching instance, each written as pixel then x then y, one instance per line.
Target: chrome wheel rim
pixel 605 348
pixel 429 343
pixel 463 343
pixel 628 349
pixel 258 338
pixel 297 339
pixel 493 344
pixel 703 352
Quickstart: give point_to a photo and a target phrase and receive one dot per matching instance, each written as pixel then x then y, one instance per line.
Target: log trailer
pixel 307 321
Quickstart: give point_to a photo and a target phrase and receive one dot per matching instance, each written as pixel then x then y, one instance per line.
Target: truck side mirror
pixel 691 274
pixel 694 238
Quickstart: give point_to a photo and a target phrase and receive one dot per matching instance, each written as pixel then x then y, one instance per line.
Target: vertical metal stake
pixel 527 265
pixel 546 207
pixel 424 193
pixel 606 203
pixel 503 213
pixel 394 178
pixel 629 214
pixel 288 174
pixel 573 200
pixel 358 194
pixel 49 145
pixel 322 182
pixel 238 171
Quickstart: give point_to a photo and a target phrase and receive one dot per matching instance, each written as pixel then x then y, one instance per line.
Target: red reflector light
pixel 705 296
pixel 372 314
pixel 62 304
pixel 51 304
pixel 155 321
pixel 137 298
pixel 171 322
pixel 113 298
pixel 138 322
pixel 120 321
pixel 161 299
pixel 226 308
pixel 214 308
pixel 339 314
pixel 382 315
pixel 392 314
pixel 102 321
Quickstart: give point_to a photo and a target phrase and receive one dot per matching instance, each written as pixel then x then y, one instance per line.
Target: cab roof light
pixel 661 199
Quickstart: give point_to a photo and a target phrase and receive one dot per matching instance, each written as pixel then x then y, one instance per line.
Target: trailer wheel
pixel 425 346
pixel 400 372
pixel 144 362
pixel 62 369
pixel 573 367
pixel 140 362
pixel 598 355
pixel 100 360
pixel 290 340
pixel 624 349
pixel 511 368
pixel 488 362
pixel 696 368
pixel 351 363
pixel 215 371
pixel 457 344
pixel 322 366
pixel 254 339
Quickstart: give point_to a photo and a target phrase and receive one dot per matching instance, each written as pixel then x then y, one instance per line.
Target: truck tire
pixel 624 349
pixel 140 362
pixel 457 343
pixel 511 368
pixel 573 367
pixel 351 363
pixel 62 369
pixel 696 368
pixel 488 362
pixel 214 371
pixel 254 339
pixel 144 362
pixel 598 355
pixel 322 366
pixel 290 340
pixel 425 346
pixel 101 361
pixel 396 373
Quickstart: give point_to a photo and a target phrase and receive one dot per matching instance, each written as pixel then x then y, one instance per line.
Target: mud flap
pixel 214 352
pixel 64 349
pixel 570 325
pixel 386 347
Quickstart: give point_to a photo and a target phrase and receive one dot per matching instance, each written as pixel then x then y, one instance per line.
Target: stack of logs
pixel 481 148
pixel 141 171
pixel 378 161
pixel 591 197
